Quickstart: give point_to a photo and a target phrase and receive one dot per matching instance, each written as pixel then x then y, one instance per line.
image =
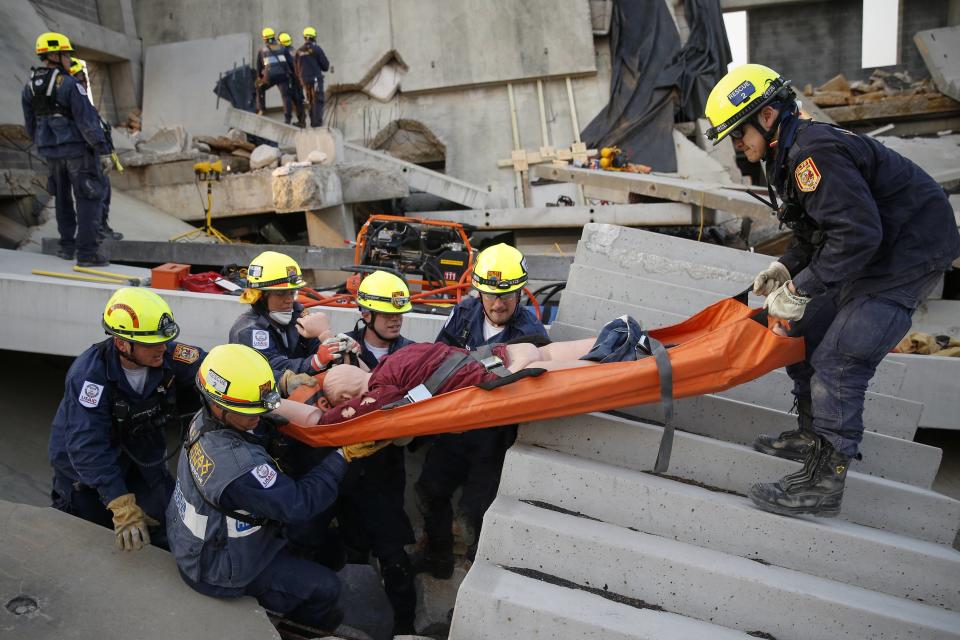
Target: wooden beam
pixel 928 104
pixel 700 194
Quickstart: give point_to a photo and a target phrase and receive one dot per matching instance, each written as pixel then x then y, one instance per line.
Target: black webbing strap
pixel 665 371
pixel 490 385
pixel 493 364
pixel 451 364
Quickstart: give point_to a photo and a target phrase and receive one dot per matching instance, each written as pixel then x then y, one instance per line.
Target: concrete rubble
pixel 264 156
pixel 940 49
pixel 306 187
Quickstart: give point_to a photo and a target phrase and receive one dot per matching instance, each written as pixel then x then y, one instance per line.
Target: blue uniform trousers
pixel 283 85
pixel 77 178
pixel 846 337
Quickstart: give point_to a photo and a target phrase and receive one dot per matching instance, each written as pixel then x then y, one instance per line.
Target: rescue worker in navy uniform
pixel 296 90
pixel 474 459
pixel 311 64
pixel 107 444
pixel 233 510
pixel 370 511
pixel 66 130
pixel 79 71
pixel 274 68
pixel 276 325
pixel 873 234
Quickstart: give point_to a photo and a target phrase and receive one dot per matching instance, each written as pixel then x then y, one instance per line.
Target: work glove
pixel 290 381
pixel 353 452
pixel 312 325
pixel 334 351
pixel 130 523
pixel 770 278
pixel 784 305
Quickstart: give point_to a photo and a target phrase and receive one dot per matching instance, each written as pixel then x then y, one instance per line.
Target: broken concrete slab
pixel 306 187
pixel 327 141
pixel 724 153
pixel 283 134
pixel 50 560
pixel 364 603
pixel 557 41
pixel 630 215
pixel 166 141
pixel 940 49
pixel 179 90
pixel 264 156
pixel 233 195
pixel 694 163
pixel 369 182
pixel 435 601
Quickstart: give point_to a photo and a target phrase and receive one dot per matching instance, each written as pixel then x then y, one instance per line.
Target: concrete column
pixel 126 78
pixel 330 227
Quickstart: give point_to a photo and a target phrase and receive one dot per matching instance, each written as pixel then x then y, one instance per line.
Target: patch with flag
pixel 807 175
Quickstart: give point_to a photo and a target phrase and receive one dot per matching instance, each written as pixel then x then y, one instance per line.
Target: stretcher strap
pixel 490 385
pixel 484 355
pixel 428 389
pixel 665 371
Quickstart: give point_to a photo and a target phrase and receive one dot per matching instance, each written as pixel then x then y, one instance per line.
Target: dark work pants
pixel 371 517
pixel 78 179
pixel 846 337
pixel 314 96
pixel 283 85
pixel 84 502
pixel 472 460
pixel 299 589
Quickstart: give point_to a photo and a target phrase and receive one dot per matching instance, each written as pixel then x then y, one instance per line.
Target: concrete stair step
pixel 882 413
pixel 700 583
pixel 871 501
pixel 498 604
pixel 828 548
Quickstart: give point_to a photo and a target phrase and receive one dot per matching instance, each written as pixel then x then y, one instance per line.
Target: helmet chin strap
pixel 131 357
pixel 372 325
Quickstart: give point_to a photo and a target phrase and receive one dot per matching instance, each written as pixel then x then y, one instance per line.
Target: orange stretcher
pixel 726 344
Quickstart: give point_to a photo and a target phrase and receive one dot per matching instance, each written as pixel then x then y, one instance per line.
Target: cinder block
pixel 874 502
pixel 824 547
pixel 701 583
pixel 497 604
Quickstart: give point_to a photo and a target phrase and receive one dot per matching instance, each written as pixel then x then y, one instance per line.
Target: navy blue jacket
pixel 255 329
pixel 275 58
pixel 464 328
pixel 366 355
pixel 311 63
pixel 63 135
pixel 875 220
pixel 83 446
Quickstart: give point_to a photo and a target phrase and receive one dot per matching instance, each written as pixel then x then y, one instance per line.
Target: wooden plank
pixel 708 195
pixel 896 107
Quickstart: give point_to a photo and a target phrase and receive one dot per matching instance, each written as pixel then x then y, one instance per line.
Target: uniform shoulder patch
pixel 265 475
pixel 260 339
pixel 82 89
pixel 807 175
pixel 186 353
pixel 90 393
pixel 201 465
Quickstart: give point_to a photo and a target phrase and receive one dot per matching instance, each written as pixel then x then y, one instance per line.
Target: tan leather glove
pixel 130 523
pixel 353 452
pixel 770 278
pixel 785 305
pixel 291 380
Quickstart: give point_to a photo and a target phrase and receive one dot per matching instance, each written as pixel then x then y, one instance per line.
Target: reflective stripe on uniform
pixel 195 522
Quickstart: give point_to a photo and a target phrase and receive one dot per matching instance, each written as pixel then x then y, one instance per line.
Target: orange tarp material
pixel 718 348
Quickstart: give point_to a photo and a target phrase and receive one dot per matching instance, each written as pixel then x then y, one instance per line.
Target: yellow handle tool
pixel 133 280
pixel 116 161
pixel 73 276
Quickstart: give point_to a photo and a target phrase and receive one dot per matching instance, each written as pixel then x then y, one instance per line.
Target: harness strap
pixel 665 371
pixel 450 365
pixel 493 364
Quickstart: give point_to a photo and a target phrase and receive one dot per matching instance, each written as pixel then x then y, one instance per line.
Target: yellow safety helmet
pixel 267 33
pixel 51 42
pixel 238 379
pixel 499 269
pixel 310 32
pixel 77 66
pixel 272 271
pixel 384 292
pixel 740 94
pixel 284 39
pixel 139 315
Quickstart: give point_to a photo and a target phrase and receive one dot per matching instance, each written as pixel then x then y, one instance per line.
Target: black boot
pixel 817 489
pixel 398 574
pixel 107 233
pixel 437 562
pixel 795 444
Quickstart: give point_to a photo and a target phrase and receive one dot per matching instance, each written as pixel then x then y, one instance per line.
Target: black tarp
pixel 237 87
pixel 655 80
